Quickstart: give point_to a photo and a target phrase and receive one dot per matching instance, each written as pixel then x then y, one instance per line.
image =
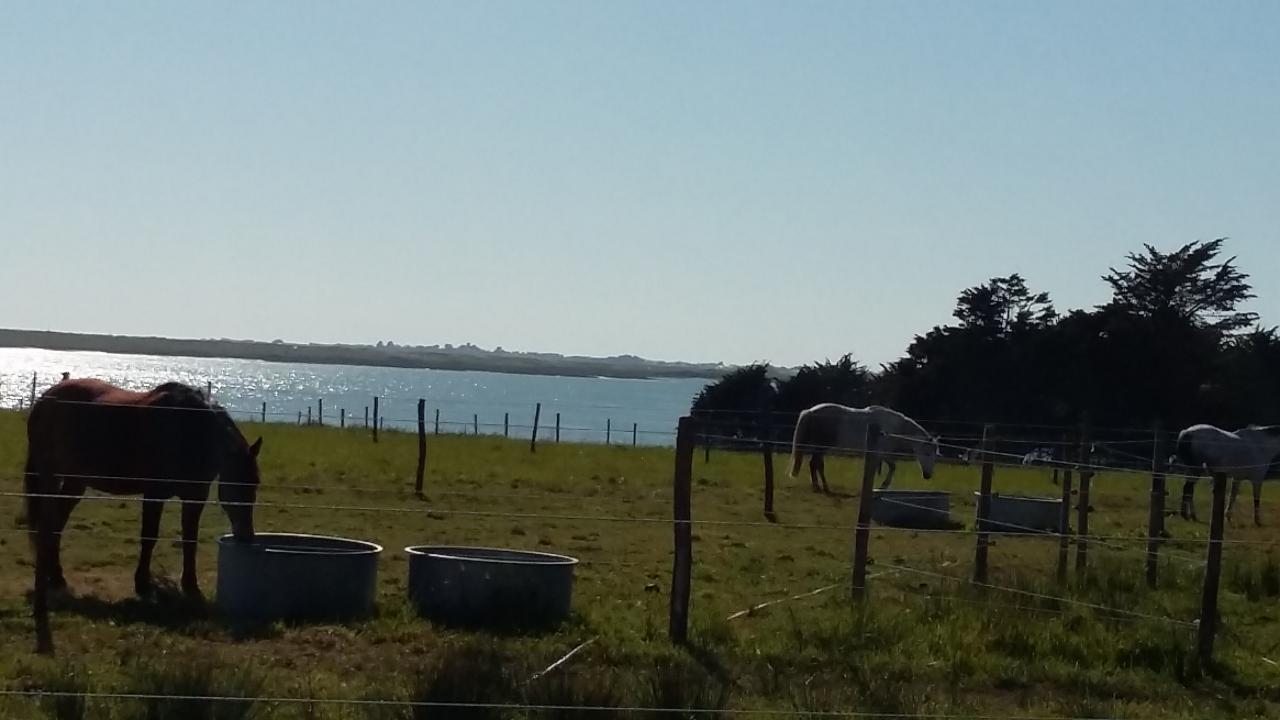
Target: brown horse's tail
pixel 28 486
pixel 797 455
pixel 32 472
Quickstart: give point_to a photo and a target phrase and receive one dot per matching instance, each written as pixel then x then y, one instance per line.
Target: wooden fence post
pixel 33 391
pixel 308 414
pixel 1082 510
pixel 557 428
pixel 1212 572
pixel 682 563
pixel 634 432
pixel 320 411
pixel 1155 521
pixel 506 424
pixel 264 411
pixel 342 417
pixel 1064 520
pixel 366 416
pixel 475 423
pixel 533 438
pixel 437 430
pixel 208 389
pixel 299 417
pixel 862 533
pixel 980 550
pixel 422 445
pixel 375 418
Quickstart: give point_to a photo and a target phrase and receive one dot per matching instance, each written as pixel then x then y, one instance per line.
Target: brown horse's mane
pixel 169 394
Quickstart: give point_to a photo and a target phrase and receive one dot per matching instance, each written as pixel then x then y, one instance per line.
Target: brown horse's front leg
pixel 191 510
pixel 72 491
pixel 151 509
pixel 42 516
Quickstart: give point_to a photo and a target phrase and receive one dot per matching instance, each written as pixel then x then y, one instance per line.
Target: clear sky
pixel 732 181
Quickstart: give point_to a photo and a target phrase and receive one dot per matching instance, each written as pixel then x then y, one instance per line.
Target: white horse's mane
pixel 905 420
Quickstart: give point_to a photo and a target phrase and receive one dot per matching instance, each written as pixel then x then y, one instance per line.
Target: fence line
pixel 1041 596
pixel 407 423
pixel 577 501
pixel 1028 531
pixel 687 436
pixel 442 705
pixel 702 413
pixel 907 590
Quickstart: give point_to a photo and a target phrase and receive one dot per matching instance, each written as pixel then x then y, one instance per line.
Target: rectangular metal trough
pixel 1020 513
pixel 912 508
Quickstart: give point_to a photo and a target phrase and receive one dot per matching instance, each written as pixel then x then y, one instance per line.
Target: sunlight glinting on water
pixel 586 405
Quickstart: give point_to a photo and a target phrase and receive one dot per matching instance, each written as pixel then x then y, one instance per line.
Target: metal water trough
pixel 290 576
pixel 490 586
pixel 1019 513
pixel 912 508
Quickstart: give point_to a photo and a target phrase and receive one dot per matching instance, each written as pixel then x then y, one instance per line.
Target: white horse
pixel 1038 455
pixel 829 427
pixel 1242 455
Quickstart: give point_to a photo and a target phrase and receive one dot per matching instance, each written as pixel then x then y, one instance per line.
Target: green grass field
pixel 919 644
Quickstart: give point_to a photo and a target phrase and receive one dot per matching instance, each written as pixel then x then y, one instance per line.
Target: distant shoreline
pixel 413 357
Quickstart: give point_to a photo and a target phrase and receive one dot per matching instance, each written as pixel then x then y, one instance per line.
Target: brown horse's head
pixel 238 486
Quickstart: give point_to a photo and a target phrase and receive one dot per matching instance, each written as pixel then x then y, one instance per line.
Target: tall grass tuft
pixel 677 681
pixel 580 688
pixel 178 689
pixel 473 674
pixel 70 685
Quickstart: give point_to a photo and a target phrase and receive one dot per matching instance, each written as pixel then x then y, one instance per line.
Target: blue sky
pixel 706 181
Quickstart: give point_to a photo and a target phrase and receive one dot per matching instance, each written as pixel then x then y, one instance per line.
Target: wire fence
pixel 611 710
pixel 995 458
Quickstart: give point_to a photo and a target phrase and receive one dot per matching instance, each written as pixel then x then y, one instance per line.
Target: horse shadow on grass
pixel 841 495
pixel 167 608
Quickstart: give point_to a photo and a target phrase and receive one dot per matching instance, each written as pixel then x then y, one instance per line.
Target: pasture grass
pixel 920 644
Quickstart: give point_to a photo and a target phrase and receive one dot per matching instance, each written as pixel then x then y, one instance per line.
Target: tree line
pixel 1170 348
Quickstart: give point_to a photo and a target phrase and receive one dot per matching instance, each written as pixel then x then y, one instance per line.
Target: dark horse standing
pixel 168 442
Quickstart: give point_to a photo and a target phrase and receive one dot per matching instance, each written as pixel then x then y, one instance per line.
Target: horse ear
pixel 255 447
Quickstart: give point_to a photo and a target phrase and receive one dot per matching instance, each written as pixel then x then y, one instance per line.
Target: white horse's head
pixel 926 452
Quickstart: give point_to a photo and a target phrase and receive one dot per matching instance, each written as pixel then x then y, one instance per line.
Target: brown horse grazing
pixel 169 442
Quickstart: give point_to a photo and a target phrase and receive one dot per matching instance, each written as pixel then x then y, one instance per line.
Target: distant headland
pixel 434 357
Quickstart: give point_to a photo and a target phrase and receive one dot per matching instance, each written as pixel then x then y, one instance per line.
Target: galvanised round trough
pixel 291 576
pixel 490 587
pixel 911 508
